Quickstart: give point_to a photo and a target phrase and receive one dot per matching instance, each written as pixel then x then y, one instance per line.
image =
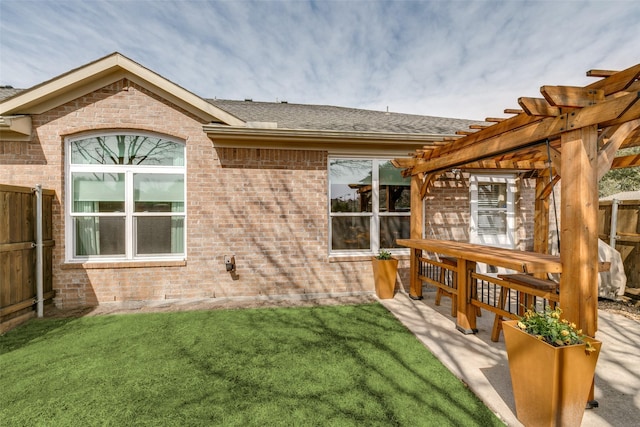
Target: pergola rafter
pixel 570 131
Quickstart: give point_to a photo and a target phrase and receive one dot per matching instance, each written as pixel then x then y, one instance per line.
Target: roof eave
pixel 15 128
pixel 328 140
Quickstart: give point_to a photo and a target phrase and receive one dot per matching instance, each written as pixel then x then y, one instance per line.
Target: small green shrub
pixel 383 254
pixel 547 326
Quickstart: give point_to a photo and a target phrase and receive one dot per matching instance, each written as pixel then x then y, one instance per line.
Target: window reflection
pixel 126 150
pixel 369 204
pixel 350 185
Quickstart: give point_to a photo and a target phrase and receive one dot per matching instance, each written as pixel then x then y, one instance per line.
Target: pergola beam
pixel 607 153
pixel 617 82
pixel 538 107
pixel 569 96
pixel 491 131
pixel 526 135
pixel 626 161
pixel 600 73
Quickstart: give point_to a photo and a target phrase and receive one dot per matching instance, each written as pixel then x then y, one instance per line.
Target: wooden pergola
pixel 571 132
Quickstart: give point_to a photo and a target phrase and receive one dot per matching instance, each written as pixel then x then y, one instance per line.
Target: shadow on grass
pixel 36 330
pixel 347 365
pixel 387 366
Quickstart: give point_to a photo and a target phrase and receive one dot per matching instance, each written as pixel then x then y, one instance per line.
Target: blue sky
pixel 465 59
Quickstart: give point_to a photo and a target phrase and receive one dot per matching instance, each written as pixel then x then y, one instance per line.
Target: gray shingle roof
pixel 325 117
pixel 7 91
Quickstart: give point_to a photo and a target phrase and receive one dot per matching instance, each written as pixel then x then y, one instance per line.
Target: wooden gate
pixel 18 252
pixel 626 235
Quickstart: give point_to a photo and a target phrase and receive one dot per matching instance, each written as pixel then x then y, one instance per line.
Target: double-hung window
pixel 369 205
pixel 125 198
pixel 493 210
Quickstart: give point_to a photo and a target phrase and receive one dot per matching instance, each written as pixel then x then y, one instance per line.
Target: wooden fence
pixel 18 252
pixel 627 234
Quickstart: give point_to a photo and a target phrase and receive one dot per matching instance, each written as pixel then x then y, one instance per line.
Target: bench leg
pixel 497 322
pixel 442 293
pixel 454 305
pixel 439 293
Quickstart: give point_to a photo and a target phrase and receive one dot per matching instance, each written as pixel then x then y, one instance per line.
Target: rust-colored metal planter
pixel 551 385
pixel 384 275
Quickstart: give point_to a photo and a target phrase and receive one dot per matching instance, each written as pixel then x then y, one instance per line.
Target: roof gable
pixel 100 73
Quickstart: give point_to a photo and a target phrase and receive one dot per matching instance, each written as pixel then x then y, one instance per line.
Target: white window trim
pixel 129 213
pixel 508 239
pixel 374 215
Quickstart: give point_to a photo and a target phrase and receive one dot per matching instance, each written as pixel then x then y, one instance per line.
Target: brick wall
pixel 447 209
pixel 266 207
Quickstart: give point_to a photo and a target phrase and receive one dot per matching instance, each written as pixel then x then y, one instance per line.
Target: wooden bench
pixel 453 262
pixel 441 292
pixel 528 287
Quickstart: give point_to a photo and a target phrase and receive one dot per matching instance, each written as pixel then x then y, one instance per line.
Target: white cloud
pixel 469 59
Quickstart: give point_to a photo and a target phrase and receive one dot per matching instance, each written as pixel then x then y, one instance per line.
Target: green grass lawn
pixel 314 366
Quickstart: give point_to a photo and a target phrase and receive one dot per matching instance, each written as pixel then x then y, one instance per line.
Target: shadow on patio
pixel 483 364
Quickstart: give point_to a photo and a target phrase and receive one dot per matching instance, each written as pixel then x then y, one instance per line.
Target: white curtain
pixel 177 229
pixel 87 230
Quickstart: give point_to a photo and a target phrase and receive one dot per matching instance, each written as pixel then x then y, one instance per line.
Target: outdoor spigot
pixel 230 263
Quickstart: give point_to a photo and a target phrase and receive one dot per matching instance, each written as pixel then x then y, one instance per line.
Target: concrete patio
pixel 483 366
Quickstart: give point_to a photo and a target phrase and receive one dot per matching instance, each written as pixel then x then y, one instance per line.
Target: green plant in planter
pixel 552 366
pixel 383 254
pixel 548 326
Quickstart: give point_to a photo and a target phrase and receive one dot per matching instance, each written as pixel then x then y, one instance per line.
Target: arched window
pixel 125 198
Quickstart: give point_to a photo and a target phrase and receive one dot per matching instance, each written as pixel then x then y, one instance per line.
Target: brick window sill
pixel 122 264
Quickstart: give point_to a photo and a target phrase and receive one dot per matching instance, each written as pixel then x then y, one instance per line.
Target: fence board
pixel 5 270
pixel 4 217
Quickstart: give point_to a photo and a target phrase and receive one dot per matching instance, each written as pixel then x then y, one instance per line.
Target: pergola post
pixel 417 216
pixel 579 234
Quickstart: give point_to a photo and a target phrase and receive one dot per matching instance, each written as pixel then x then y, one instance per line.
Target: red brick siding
pixel 267 207
pixel 447 209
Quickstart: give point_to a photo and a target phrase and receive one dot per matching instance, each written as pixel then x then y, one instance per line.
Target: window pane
pixel 393 228
pixel 492 195
pixel 98 192
pixel 158 192
pixel 350 232
pixel 159 235
pixel 99 235
pixel 127 150
pixel 350 183
pixel 492 222
pixel 395 191
pixel 391 175
pixel 395 198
